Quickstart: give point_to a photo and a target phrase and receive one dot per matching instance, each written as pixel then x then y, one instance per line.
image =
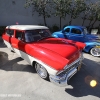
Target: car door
pixel 66 33
pixel 17 43
pixel 9 33
pixel 76 35
pixel 20 46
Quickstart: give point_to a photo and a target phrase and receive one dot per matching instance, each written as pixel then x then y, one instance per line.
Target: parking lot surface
pixel 19 81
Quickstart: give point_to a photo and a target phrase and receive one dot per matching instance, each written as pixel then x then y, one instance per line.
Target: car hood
pixel 58 46
pixel 55 52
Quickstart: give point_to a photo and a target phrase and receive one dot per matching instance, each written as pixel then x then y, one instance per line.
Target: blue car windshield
pixel 36 35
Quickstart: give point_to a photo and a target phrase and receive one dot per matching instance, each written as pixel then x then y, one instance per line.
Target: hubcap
pixel 41 71
pixel 95 51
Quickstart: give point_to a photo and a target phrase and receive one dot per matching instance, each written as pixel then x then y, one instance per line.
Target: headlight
pixel 58 73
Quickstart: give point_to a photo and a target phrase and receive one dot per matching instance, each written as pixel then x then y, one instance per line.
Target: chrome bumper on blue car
pixel 62 79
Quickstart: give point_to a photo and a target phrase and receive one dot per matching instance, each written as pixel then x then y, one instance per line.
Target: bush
pixel 2 28
pixel 54 28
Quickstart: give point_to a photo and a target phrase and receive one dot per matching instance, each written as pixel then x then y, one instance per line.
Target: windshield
pixel 85 31
pixel 36 35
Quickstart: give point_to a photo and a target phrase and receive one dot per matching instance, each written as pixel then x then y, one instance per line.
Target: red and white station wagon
pixel 53 58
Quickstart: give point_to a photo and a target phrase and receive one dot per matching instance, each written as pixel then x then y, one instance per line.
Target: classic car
pixel 80 33
pixel 55 59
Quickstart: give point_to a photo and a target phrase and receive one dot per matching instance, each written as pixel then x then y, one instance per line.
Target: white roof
pixel 26 27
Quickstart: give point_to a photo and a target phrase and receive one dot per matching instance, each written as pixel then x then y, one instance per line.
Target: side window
pixel 10 32
pixel 76 31
pixel 67 30
pixel 19 35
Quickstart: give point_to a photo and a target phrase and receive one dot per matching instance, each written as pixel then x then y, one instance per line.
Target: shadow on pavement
pixel 2 45
pixel 81 82
pixel 12 65
pixel 93 68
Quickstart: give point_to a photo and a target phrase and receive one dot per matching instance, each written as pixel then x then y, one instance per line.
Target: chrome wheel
pixel 41 71
pixel 95 51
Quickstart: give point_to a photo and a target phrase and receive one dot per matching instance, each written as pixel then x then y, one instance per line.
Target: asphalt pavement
pixel 19 81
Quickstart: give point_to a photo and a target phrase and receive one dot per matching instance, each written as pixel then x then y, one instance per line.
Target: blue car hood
pixel 92 38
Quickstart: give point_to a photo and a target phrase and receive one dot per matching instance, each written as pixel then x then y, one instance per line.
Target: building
pixel 14 12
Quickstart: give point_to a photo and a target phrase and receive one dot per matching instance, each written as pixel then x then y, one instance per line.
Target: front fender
pixel 88 48
pixel 55 36
pixel 58 34
pixel 48 57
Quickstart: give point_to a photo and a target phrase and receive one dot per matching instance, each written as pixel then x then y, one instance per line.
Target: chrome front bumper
pixel 63 79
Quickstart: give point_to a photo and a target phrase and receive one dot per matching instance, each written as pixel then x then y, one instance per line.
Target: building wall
pixel 13 11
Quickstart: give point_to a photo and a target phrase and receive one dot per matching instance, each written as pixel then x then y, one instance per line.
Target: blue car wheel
pixel 95 52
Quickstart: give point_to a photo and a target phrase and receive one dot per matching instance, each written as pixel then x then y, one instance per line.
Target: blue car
pixel 80 33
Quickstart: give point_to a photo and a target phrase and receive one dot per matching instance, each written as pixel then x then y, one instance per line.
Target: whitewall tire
pixel 41 71
pixel 95 52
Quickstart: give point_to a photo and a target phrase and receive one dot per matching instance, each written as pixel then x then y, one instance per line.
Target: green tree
pixel 60 8
pixel 76 8
pixel 89 13
pixel 40 6
pixel 95 13
pixel 86 11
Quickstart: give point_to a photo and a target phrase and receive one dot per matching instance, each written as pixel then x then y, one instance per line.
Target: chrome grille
pixel 68 68
pixel 73 66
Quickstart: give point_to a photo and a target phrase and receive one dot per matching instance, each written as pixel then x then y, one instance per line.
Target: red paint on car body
pixel 57 53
